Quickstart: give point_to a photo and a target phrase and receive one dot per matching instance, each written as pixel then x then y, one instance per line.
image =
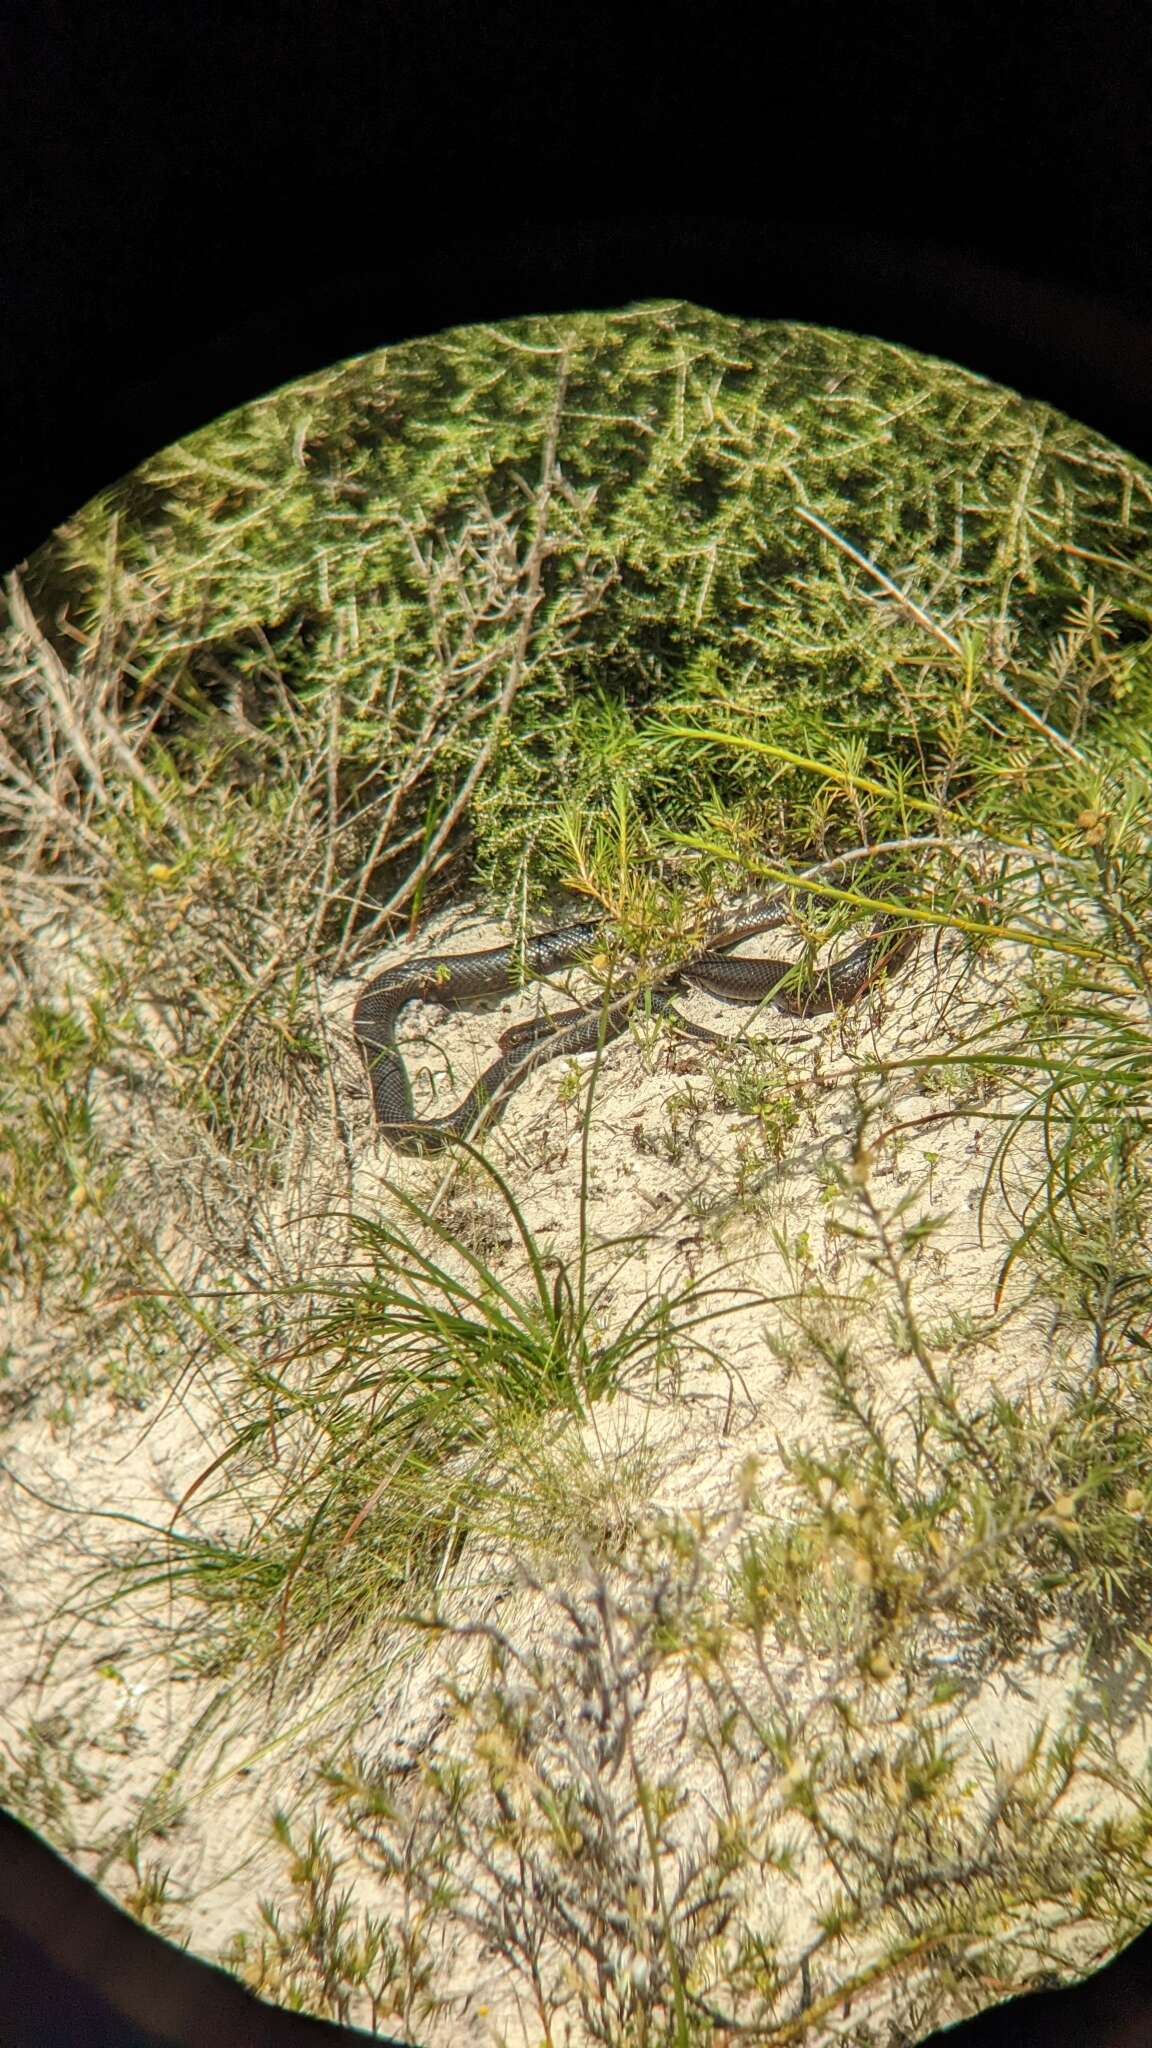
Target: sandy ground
pixel 135 1759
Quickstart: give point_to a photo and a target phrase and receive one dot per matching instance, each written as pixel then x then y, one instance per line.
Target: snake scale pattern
pixel 455 977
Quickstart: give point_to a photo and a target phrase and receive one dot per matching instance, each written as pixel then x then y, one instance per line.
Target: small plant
pixel 325 1956
pixel 406 1393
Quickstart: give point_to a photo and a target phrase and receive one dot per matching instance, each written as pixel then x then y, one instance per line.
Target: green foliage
pixel 658 606
pixel 368 532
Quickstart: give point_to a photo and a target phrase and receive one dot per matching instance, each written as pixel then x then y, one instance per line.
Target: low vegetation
pixel 643 610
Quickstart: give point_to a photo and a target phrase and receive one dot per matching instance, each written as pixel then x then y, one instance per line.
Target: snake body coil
pixel 453 977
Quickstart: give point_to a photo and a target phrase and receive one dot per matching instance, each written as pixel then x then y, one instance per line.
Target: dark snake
pixel 454 977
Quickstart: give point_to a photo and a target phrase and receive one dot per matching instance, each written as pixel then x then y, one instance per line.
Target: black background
pixel 201 204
